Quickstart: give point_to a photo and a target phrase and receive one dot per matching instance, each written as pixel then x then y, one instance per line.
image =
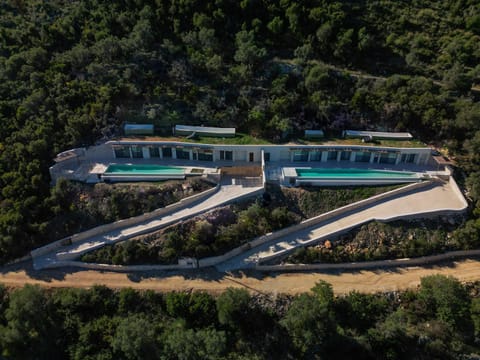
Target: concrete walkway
pixel 439 198
pixel 231 189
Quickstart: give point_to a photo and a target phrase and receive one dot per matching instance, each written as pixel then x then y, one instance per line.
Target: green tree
pixel 310 321
pixel 136 337
pixel 447 300
pixel 31 326
pixel 233 307
pixel 247 52
pixel 187 344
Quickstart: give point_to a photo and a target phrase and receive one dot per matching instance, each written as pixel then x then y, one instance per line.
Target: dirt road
pixel 214 282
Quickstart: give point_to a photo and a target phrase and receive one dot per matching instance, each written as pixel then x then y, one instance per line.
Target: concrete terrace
pixel 230 190
pixel 437 198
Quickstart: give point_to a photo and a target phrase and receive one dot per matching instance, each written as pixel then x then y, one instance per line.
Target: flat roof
pixel 138 127
pixel 323 147
pixel 378 134
pixel 314 133
pixel 205 129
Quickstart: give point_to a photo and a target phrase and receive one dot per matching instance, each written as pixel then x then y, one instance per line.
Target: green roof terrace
pixel 244 139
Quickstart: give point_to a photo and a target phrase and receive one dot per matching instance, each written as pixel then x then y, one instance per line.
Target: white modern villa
pixel 150 158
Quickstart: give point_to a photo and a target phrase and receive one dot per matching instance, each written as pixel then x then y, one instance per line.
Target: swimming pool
pixel 347 176
pixel 352 173
pixel 142 172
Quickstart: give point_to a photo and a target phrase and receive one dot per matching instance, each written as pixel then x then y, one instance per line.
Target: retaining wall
pixel 424 260
pixel 211 261
pixel 431 214
pixel 102 229
pixel 119 268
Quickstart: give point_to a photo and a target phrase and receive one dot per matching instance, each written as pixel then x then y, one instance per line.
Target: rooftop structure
pixel 138 129
pixel 314 134
pixel 187 130
pixel 378 135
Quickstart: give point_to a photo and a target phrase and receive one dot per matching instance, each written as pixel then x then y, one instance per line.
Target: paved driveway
pixel 435 198
pixel 231 189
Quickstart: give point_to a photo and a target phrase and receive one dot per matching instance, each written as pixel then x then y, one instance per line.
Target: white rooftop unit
pixel 378 135
pixel 314 134
pixel 204 131
pixel 138 129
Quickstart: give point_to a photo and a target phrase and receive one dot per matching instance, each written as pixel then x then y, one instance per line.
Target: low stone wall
pixel 102 229
pixel 117 268
pixel 421 261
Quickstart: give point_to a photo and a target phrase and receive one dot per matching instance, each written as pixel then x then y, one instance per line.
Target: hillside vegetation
pixel 439 320
pixel 72 71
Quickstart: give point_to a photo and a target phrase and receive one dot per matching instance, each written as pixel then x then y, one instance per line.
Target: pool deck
pixel 90 170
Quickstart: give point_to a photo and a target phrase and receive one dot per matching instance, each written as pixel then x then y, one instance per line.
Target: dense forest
pixel 72 71
pixel 439 320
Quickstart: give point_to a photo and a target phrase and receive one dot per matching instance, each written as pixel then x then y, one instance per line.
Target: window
pixel 183 154
pixel 167 152
pixel 332 155
pixel 137 152
pixel 315 155
pixel 388 158
pixel 205 155
pixel 362 156
pixel 226 155
pixel 266 156
pixel 122 151
pixel 300 155
pixel 345 155
pixel 154 152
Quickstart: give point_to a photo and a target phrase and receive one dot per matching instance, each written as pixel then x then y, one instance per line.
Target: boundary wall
pixel 117 268
pixel 424 260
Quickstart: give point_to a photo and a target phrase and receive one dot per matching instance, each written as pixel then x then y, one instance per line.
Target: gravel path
pixel 370 281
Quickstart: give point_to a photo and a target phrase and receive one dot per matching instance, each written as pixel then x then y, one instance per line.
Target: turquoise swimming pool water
pixel 142 169
pixel 353 173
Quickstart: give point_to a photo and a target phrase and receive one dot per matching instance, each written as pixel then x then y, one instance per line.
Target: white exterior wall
pixel 241 153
